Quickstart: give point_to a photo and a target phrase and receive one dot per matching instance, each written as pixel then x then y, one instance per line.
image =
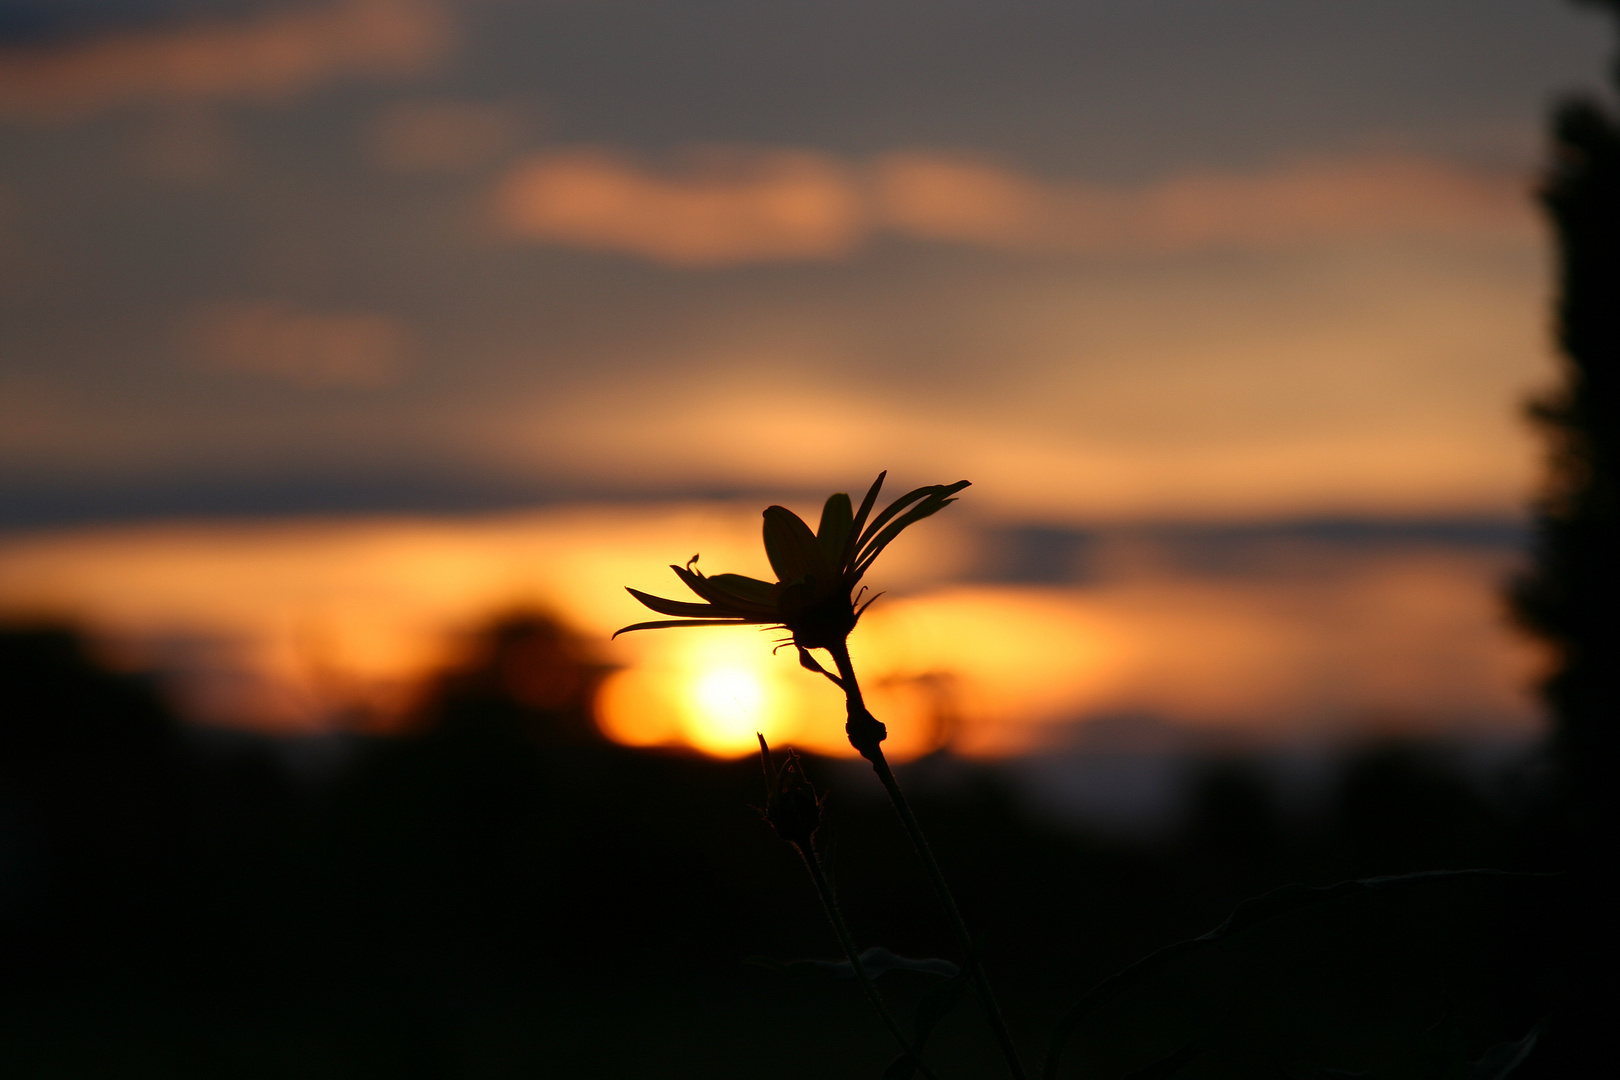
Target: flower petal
pixel 938 497
pixel 694 580
pixel 665 624
pixel 860 517
pixel 792 547
pixel 747 590
pixel 676 607
pixel 837 522
pixel 900 504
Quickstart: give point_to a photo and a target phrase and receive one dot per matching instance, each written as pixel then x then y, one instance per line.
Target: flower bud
pixel 791 804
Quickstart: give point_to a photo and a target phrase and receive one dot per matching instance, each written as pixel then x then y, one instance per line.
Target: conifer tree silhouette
pixel 1571 596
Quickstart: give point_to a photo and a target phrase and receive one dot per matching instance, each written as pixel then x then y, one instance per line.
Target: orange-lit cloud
pixel 937 197
pixel 275 56
pixel 441 136
pixel 721 207
pixel 772 205
pixel 277 340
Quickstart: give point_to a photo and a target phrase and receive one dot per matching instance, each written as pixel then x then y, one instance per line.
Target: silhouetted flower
pixel 817 572
pixel 791 804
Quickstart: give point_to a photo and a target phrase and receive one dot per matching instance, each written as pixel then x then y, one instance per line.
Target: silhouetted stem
pixel 829 903
pixel 860 720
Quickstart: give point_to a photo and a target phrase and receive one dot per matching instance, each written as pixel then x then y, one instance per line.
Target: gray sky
pixel 1120 259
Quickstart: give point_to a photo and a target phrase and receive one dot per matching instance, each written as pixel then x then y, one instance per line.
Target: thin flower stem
pixel 919 843
pixel 829 903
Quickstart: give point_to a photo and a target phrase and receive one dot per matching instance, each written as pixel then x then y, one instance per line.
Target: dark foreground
pixel 502 894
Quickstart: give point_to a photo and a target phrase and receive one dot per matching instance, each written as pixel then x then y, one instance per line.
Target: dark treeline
pixel 1572 595
pixel 500 892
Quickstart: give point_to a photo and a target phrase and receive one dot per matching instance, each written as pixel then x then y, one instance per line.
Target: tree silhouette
pixel 1572 595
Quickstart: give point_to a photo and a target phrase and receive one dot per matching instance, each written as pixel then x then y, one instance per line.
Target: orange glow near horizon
pixel 711 691
pixel 301 626
pixel 713 688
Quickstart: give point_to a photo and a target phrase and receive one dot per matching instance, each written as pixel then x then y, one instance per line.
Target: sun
pixel 724 706
pixel 728 689
pixel 709 692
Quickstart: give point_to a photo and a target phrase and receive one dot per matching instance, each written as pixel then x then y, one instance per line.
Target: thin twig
pixel 919 843
pixel 829 903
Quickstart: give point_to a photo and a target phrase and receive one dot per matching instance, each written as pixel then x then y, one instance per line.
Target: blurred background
pixel 356 353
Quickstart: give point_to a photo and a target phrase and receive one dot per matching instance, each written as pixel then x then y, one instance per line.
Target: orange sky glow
pixel 291 626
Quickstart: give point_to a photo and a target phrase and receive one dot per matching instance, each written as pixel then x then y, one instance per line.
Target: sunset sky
pixel 1125 264
pixel 1106 258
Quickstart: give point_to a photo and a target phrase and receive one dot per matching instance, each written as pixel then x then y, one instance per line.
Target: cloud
pixel 721 207
pixel 275 56
pixel 776 205
pixel 316 350
pixel 441 136
pixel 938 197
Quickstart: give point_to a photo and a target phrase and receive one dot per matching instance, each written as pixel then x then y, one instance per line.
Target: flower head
pixel 814 596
